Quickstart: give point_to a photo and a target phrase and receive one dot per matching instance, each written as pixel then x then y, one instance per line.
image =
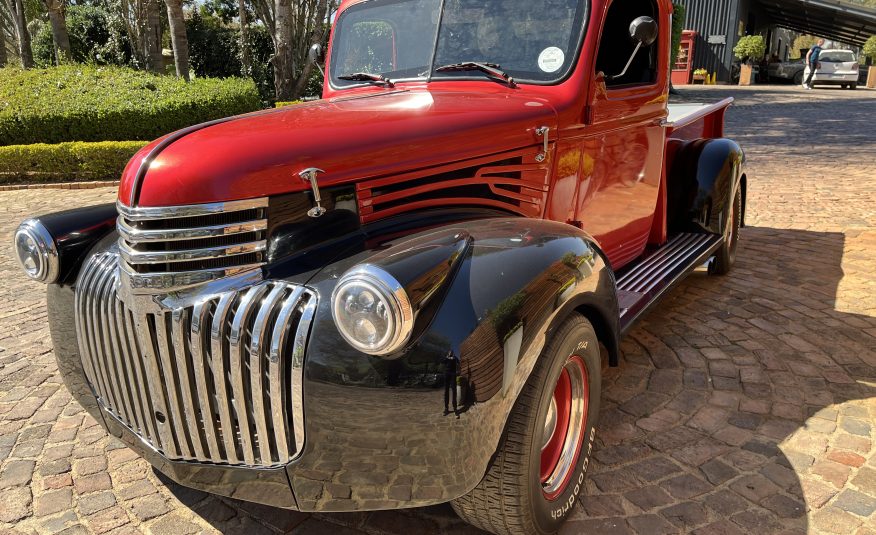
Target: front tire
pixel 798 78
pixel 725 257
pixel 537 473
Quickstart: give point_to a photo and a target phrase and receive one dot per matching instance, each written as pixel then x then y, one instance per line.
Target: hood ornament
pixel 310 175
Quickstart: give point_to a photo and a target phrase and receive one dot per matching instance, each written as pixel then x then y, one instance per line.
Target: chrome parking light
pixel 36 251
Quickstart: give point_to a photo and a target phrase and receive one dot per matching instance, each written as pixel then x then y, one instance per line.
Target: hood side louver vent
pixel 512 181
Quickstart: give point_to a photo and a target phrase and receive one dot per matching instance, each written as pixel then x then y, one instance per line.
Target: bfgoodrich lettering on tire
pixel 538 472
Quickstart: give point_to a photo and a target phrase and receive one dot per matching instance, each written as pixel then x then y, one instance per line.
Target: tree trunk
pixel 245 61
pixel 283 60
pixel 152 37
pixel 22 35
pixel 316 36
pixel 178 38
pixel 55 9
pixel 3 57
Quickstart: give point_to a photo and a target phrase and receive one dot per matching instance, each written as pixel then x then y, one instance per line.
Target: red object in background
pixel 681 71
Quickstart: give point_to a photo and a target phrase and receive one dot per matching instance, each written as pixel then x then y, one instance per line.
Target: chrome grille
pixel 174 247
pixel 217 381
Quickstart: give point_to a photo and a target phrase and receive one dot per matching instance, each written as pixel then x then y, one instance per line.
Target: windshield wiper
pixel 367 77
pixel 492 70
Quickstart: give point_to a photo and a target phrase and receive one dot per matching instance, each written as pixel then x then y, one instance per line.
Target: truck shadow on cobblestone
pixel 728 413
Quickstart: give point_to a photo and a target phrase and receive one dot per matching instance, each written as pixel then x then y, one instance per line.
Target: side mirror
pixel 644 30
pixel 315 56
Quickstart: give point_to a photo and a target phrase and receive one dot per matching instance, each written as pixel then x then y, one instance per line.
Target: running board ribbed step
pixel 642 284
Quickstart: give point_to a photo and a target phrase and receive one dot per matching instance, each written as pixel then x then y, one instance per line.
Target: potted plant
pixel 749 49
pixel 699 76
pixel 870 52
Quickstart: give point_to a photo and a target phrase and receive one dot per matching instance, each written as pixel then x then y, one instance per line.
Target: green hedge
pixel 88 103
pixel 41 162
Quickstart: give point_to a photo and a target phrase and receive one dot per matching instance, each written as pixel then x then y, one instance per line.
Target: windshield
pixel 532 40
pixel 837 56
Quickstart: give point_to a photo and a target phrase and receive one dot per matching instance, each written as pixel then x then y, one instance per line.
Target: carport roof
pixel 833 19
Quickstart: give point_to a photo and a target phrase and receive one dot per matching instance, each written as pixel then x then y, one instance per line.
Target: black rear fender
pixel 704 177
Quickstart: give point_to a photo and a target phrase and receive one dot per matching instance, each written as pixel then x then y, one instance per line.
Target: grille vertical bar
pixel 207 382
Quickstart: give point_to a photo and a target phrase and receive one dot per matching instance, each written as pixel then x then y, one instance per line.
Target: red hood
pixel 351 138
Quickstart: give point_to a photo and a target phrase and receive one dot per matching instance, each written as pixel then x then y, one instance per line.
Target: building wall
pixel 716 21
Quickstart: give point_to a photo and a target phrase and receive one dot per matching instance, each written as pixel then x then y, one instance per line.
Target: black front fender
pixel 377 433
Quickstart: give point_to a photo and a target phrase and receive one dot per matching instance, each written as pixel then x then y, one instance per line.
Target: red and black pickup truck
pixel 401 294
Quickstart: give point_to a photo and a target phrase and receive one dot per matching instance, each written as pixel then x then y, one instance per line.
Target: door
pixel 624 145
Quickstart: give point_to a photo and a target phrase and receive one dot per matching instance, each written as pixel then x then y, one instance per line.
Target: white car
pixel 838 67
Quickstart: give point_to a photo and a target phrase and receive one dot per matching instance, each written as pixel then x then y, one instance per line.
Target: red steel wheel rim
pixel 564 428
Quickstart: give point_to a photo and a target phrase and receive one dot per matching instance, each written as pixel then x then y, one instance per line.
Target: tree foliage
pixel 96 37
pixel 802 42
pixel 870 48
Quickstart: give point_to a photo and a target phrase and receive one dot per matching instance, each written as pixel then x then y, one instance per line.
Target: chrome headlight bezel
pixel 391 293
pixel 46 258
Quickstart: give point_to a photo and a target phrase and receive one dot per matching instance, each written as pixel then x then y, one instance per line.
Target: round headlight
pixel 372 310
pixel 36 251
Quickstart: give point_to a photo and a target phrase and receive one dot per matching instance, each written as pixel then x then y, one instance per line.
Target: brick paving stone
pixel 784 506
pixel 651 525
pixel 647 498
pixel 53 502
pixel 107 520
pixel 685 515
pixel 92 503
pixel 855 502
pixel 16 473
pixel 15 504
pixel 686 487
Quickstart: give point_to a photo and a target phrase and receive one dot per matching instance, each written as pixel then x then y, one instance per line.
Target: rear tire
pixel 725 257
pixel 527 490
pixel 798 78
pixel 853 86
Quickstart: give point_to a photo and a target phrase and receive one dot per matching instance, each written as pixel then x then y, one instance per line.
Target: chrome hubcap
pixel 564 428
pixel 550 424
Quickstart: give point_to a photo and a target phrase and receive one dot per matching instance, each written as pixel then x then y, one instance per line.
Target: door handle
pixel 545 133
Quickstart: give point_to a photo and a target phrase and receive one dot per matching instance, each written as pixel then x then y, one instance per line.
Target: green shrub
pixel 41 162
pixel 750 48
pixel 87 103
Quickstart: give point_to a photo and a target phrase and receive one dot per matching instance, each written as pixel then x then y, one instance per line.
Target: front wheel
pixel 534 479
pixel 725 257
pixel 798 78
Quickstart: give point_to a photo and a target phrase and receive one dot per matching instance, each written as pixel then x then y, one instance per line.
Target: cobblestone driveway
pixel 744 404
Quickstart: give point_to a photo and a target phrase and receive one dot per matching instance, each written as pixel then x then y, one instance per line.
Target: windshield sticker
pixel 551 59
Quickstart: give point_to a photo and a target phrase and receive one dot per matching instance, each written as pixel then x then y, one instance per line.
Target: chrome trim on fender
pixel 213 377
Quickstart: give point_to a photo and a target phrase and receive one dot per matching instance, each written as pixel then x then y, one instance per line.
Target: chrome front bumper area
pixel 211 376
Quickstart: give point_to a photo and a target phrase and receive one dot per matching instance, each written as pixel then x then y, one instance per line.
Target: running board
pixel 642 284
